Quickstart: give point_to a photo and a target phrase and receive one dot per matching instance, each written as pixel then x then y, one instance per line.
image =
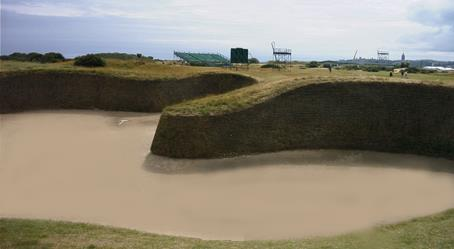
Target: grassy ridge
pixel 255 94
pixel 133 69
pixel 148 69
pixel 435 231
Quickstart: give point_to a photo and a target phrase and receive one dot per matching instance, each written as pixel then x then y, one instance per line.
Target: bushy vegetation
pixel 374 68
pixel 404 65
pixel 350 67
pixel 254 61
pixel 327 65
pixel 123 56
pixel 312 64
pixel 366 68
pixel 89 60
pixel 50 57
pixel 271 65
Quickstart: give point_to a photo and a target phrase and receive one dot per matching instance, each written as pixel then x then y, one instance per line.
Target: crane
pixel 354 57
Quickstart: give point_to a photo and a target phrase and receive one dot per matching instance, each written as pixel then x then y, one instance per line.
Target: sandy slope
pixel 95 167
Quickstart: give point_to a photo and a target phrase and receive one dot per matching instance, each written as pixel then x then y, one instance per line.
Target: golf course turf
pixel 436 231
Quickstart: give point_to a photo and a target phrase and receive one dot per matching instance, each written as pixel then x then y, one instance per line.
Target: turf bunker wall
pixel 21 91
pixel 389 117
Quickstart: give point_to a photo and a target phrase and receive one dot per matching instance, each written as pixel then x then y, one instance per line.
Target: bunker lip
pixel 380 115
pixel 34 90
pixel 247 97
pixel 326 192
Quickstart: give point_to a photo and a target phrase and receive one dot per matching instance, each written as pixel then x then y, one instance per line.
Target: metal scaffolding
pixel 281 55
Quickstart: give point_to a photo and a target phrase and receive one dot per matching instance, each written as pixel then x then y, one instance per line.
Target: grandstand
pixel 203 59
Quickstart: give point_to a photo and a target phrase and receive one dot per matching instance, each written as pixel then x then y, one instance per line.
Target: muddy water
pixel 94 167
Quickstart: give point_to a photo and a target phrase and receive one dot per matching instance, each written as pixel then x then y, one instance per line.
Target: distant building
pixel 403 57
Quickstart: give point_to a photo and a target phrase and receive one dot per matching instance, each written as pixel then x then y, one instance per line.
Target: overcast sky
pixel 314 29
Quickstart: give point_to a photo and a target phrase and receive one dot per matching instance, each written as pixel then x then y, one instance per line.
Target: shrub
pixel 327 65
pixel 18 57
pixel 413 70
pixel 313 64
pixel 254 61
pixel 269 65
pixel 404 64
pixel 89 60
pixel 123 56
pixel 350 67
pixel 428 71
pixel 34 57
pixel 52 57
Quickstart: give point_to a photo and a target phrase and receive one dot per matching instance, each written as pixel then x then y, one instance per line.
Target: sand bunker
pixel 94 167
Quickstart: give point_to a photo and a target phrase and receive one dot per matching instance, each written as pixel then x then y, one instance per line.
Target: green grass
pixel 436 231
pixel 246 97
pixel 272 82
pixel 135 69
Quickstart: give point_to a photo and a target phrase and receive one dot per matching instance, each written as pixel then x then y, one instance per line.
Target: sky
pixel 313 29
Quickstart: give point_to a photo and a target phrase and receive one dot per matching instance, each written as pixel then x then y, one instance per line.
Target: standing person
pixel 402 73
pixel 329 67
pixel 391 74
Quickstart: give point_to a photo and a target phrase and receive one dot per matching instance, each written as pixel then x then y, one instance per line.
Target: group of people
pixel 403 74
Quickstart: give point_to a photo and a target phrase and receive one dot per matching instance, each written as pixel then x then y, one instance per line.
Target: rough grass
pixel 148 69
pixel 272 81
pixel 435 231
pixel 245 97
pixel 134 69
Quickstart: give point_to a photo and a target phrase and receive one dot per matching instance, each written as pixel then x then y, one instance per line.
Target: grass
pixel 272 82
pixel 148 69
pixel 135 69
pixel 245 97
pixel 436 231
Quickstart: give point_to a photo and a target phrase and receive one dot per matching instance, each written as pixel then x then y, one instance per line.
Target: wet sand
pixel 95 167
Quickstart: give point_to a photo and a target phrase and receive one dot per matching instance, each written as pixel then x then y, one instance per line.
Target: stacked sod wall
pixel 390 117
pixel 21 91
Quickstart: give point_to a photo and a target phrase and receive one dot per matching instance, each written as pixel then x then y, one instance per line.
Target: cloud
pixel 61 9
pixel 438 16
pixel 314 29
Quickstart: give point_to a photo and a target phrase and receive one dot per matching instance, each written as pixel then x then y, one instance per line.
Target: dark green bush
pixel 350 67
pixel 89 60
pixel 52 57
pixel 269 65
pixel 404 64
pixel 327 65
pixel 123 56
pixel 34 57
pixel 374 68
pixel 413 70
pixel 428 71
pixel 18 57
pixel 313 64
pixel 254 61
